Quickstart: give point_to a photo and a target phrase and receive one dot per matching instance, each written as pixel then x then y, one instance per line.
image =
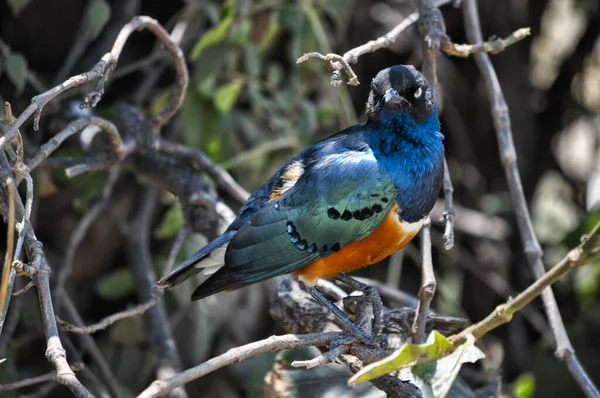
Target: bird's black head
pixel 400 88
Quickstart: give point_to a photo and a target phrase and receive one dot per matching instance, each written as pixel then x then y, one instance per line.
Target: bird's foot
pixel 349 327
pixel 371 320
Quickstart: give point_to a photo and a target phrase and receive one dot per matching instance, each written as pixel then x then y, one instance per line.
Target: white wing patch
pixel 213 262
pixel 412 227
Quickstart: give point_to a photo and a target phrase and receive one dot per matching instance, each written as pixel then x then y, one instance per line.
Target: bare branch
pixel 8 274
pixel 448 216
pixel 333 62
pixel 581 255
pixel 492 47
pixel 51 376
pixel 81 230
pixel 102 71
pixel 75 127
pixel 336 63
pixel 109 320
pixel 433 30
pixel 89 345
pixel 508 157
pixel 199 160
pixel 175 249
pixel 428 284
pixel 238 354
pixel 140 259
pixel 55 352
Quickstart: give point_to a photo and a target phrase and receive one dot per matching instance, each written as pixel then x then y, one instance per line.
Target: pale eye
pixel 418 93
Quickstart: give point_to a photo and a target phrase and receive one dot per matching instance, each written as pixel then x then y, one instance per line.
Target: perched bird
pixel 348 201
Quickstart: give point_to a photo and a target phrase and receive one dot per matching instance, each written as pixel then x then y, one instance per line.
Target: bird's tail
pixel 207 261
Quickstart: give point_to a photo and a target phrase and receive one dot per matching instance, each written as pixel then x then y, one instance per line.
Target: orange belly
pixel 387 239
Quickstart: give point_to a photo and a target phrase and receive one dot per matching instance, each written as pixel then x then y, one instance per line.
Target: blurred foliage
pixel 524 386
pixel 237 64
pixel 98 15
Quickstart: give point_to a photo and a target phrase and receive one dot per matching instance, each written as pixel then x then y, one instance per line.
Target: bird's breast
pixel 389 237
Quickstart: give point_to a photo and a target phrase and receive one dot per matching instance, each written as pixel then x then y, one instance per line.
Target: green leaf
pixel 408 355
pixel 212 37
pixel 98 14
pixel 17 6
pixel 227 95
pixel 16 69
pixel 116 285
pixel 441 374
pixel 524 386
pixel 171 222
pixel 211 61
pixel 241 32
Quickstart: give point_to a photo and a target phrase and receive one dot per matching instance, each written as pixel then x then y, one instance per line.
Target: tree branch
pixel 102 71
pixel 37 380
pixel 508 157
pixel 587 251
pixel 238 354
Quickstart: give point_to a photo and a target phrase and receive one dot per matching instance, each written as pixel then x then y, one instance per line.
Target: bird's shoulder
pixel 318 159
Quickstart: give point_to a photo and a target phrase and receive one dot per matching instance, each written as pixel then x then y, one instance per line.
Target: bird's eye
pixel 418 93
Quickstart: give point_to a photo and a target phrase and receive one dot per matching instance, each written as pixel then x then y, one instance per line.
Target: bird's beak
pixel 394 100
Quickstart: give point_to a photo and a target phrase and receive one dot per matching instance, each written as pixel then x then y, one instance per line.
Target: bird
pixel 341 204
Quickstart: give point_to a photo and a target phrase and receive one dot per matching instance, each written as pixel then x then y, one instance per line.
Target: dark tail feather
pixel 223 279
pixel 187 268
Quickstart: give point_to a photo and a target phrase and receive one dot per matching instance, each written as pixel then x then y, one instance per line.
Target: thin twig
pixel 24 289
pixel 448 217
pixel 19 169
pixel 238 354
pixel 492 46
pixel 199 160
pixel 55 352
pixel 51 376
pixel 41 277
pixel 81 230
pixel 432 28
pixel 8 273
pixel 75 127
pixel 107 321
pixel 140 259
pixel 176 248
pixel 42 392
pixel 139 309
pixel 336 63
pixel 428 284
pixel 138 23
pixel 102 71
pixel 327 357
pixel 508 156
pixel 587 252
pixel 89 345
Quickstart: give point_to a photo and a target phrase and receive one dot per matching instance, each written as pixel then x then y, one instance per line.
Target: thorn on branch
pixel 24 289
